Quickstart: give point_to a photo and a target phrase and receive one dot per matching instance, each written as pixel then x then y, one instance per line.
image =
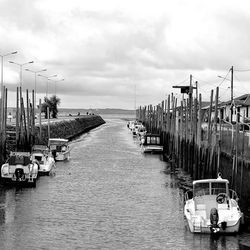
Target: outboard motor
pixel 214 218
pixel 54 154
pixel 19 174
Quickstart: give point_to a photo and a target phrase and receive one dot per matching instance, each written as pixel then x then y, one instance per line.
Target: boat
pixel 131 124
pixel 151 143
pixel 141 131
pixel 20 169
pixel 59 148
pixel 212 207
pixel 43 156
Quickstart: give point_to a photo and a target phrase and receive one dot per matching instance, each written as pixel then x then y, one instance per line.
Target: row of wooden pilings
pixel 196 150
pixel 180 128
pixel 23 126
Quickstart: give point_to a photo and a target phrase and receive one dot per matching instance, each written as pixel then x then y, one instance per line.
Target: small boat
pixel 151 143
pixel 43 156
pixel 20 169
pixel 141 131
pixel 212 207
pixel 131 124
pixel 59 148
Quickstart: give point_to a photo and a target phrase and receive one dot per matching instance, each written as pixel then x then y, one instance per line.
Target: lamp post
pixel 48 78
pixel 2 94
pixel 56 82
pixel 21 70
pixel 2 56
pixel 232 87
pixel 35 73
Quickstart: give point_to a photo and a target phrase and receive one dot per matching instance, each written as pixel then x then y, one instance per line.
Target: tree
pixel 52 103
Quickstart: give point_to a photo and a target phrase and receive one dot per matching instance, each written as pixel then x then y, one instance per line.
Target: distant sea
pixel 104 113
pixel 126 117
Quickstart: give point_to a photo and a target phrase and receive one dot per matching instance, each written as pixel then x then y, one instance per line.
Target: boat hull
pixel 62 156
pixel 152 149
pixel 45 169
pixel 14 182
pixel 232 229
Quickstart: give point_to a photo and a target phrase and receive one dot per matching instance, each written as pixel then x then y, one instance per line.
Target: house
pixel 230 111
pixel 238 109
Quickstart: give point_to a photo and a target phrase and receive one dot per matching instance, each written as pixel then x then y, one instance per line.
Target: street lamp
pixel 21 70
pixel 48 78
pixel 56 82
pixel 2 94
pixel 35 73
pixel 2 56
pixel 222 77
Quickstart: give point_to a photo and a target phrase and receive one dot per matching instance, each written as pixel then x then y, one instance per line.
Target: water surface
pixel 108 196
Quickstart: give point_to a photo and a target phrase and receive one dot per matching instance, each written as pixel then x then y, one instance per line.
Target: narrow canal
pixel 108 196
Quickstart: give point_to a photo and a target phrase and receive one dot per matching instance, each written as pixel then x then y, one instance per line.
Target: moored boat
pixel 141 131
pixel 212 207
pixel 43 156
pixel 20 169
pixel 59 148
pixel 151 143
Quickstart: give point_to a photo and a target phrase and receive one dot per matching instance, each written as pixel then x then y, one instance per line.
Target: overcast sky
pixel 109 51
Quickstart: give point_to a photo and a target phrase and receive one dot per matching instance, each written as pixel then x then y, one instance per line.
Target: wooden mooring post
pixel 3 120
pixel 24 127
pixel 183 136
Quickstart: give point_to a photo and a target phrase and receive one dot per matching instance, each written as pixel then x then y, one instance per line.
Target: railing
pixel 233 194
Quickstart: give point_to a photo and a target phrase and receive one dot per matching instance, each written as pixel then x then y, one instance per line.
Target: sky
pixel 125 53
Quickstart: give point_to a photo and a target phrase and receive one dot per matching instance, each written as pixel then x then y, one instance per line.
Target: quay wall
pixel 68 129
pixel 64 128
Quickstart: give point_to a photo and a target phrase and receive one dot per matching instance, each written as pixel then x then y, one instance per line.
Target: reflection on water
pixel 108 196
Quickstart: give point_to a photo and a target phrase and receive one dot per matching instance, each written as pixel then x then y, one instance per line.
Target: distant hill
pixel 96 111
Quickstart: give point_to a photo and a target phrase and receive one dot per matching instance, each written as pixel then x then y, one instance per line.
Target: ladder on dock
pixel 10 140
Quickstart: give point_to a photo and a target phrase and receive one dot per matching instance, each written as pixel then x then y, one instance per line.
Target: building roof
pixel 243 100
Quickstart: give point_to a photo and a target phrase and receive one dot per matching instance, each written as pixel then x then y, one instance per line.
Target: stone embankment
pixel 68 129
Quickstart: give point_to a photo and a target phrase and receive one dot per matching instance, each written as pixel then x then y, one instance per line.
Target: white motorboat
pixel 131 124
pixel 20 169
pixel 44 158
pixel 141 131
pixel 59 148
pixel 151 143
pixel 213 207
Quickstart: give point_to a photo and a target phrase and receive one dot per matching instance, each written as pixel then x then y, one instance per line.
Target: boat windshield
pixel 218 187
pixel 153 140
pixel 203 188
pixel 40 148
pixel 58 148
pixel 19 160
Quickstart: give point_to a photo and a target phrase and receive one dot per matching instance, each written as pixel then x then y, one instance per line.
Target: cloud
pixel 22 15
pixel 103 50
